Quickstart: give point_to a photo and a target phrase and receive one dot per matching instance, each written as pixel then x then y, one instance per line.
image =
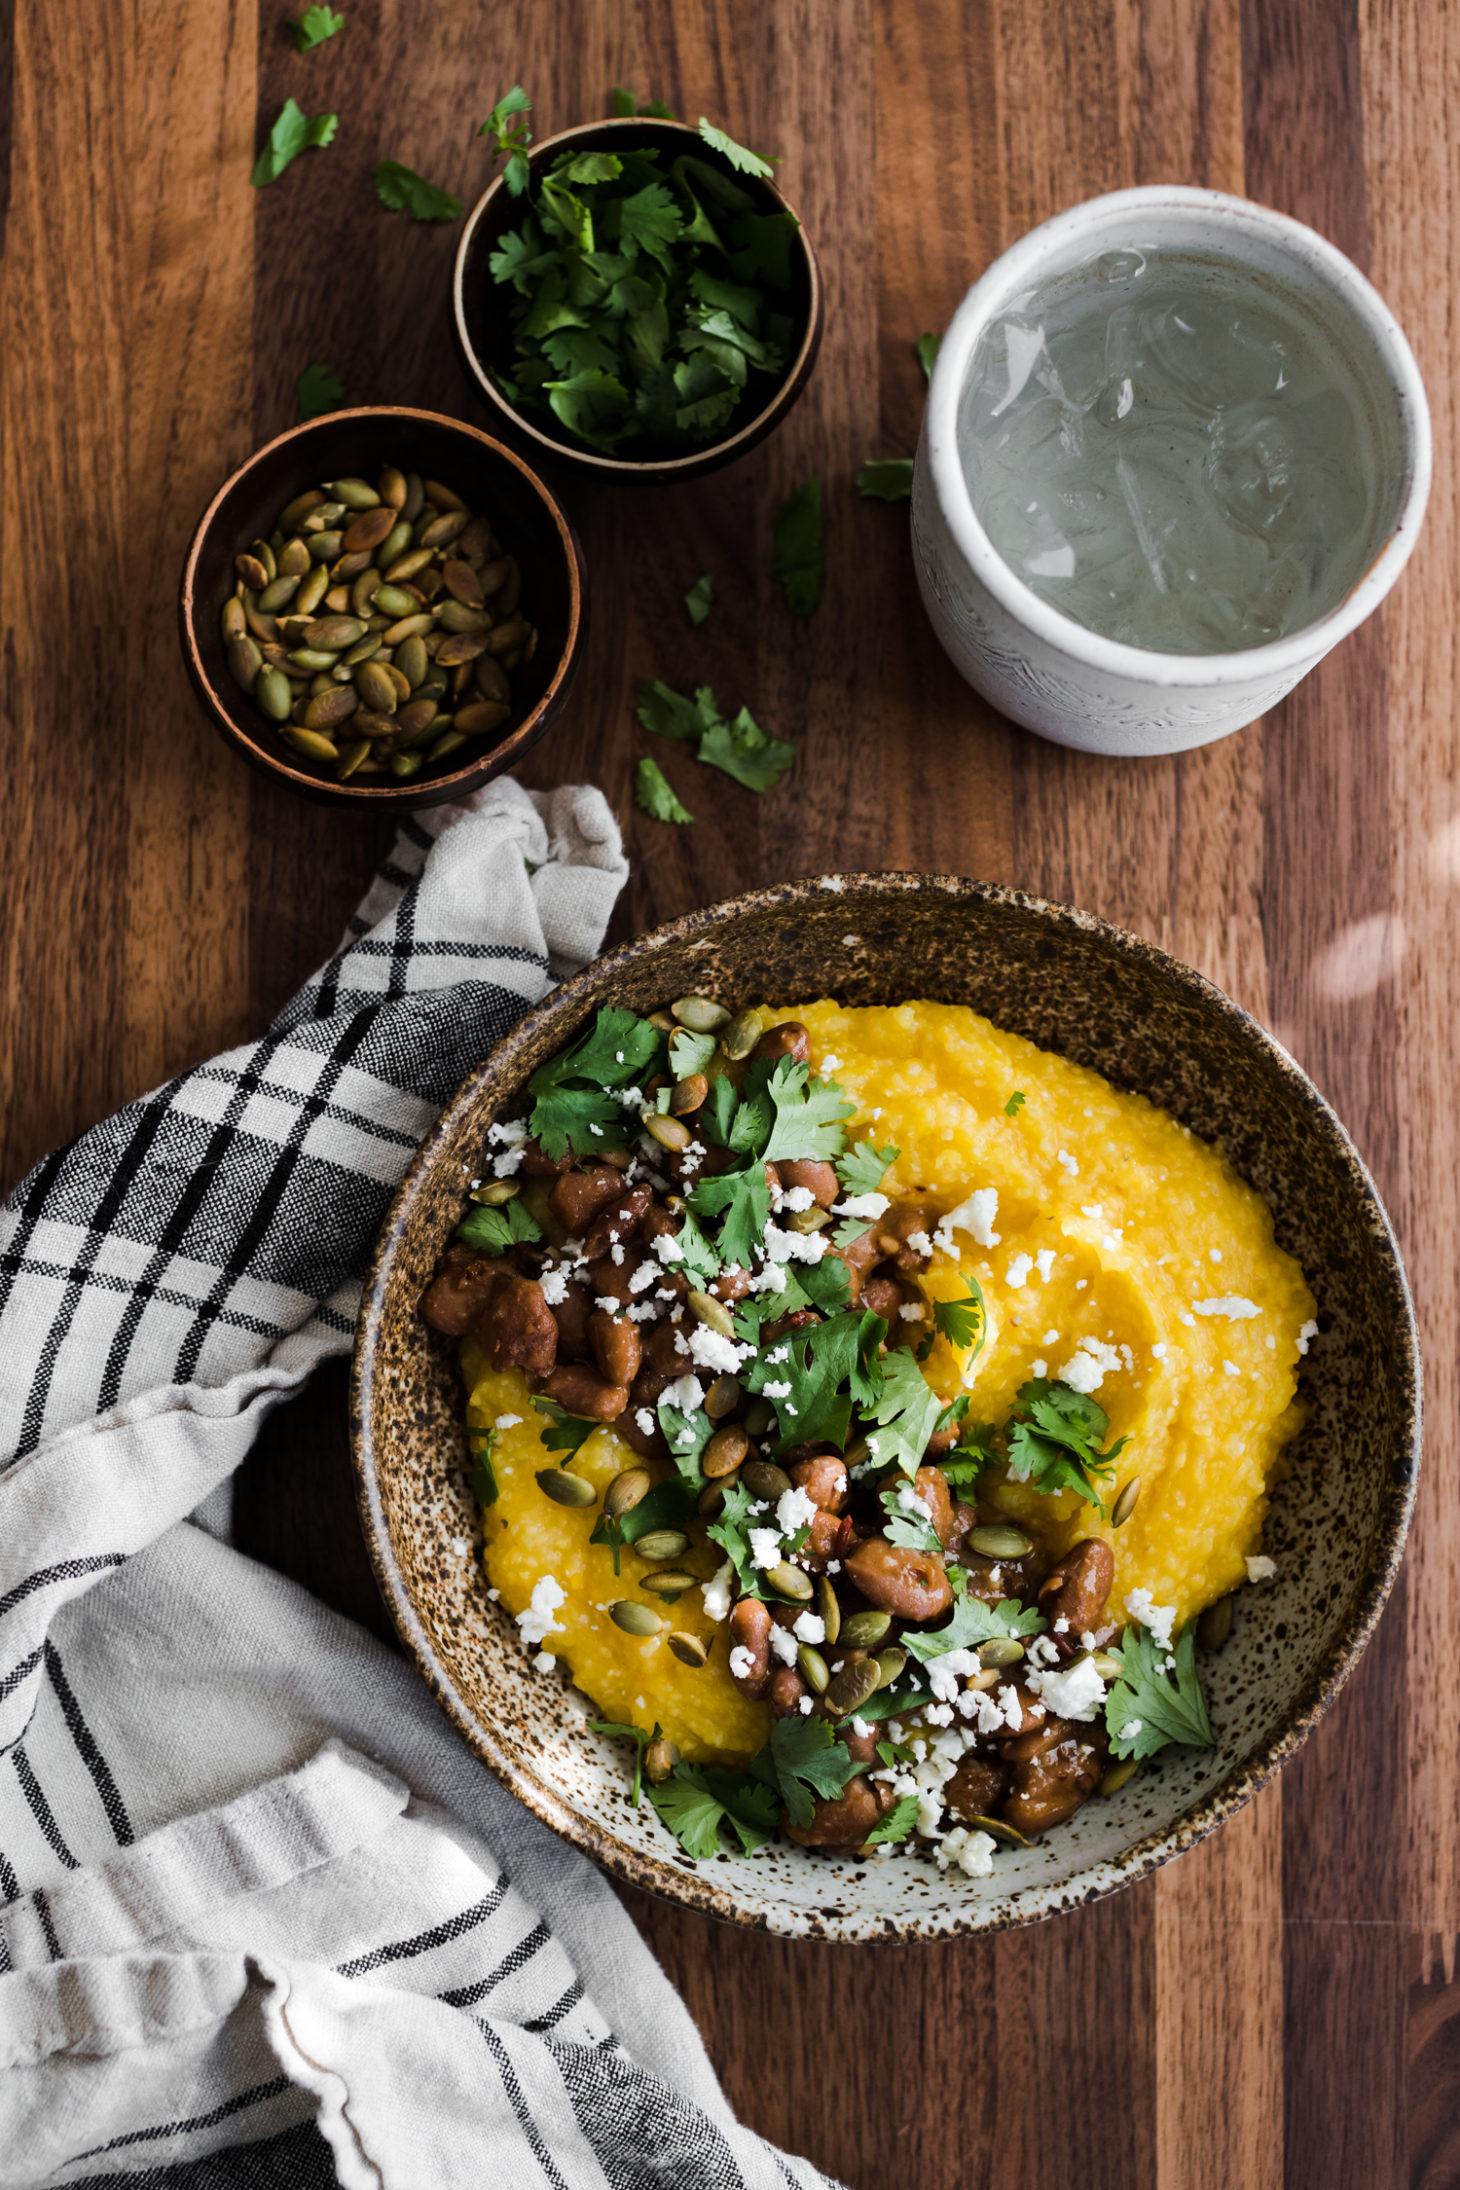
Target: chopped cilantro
pixel 318 390
pixel 1015 1103
pixel 698 600
pixel 511 136
pixel 898 1822
pixel 481 1475
pixel 895 1752
pixel 886 479
pixel 572 1092
pixel 641 1741
pixel 313 26
pixel 745 163
pixel 730 1530
pixel 293 132
pixel 973 1622
pixel 745 1200
pixel 1164 1703
pixel 970 1456
pixel 566 1433
pixel 740 748
pixel 697 1257
pixel 696 1800
pixel 810 1115
pixel 803 1758
pixel 655 793
pixel 667 1505
pixel 623 106
pixel 927 349
pixel 798 556
pixel 964 1322
pixel 493 1231
pixel 817 1362
pixel 910 1529
pixel 905 1412
pixel 402 191
pixel 863 1168
pixel 689 1053
pixel 1057 1447
pixel 687 1435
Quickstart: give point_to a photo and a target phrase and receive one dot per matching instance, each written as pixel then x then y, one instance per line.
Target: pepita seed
pixel 312 743
pixel 511 590
pixel 277 594
pixel 407 764
pixel 701 1014
pixel 353 756
pixel 405 567
pixel 395 544
pixel 852 1686
pixel 829 1607
pixel 363 592
pixel 712 1312
pixel 369 529
pixel 995 1827
pixel 456 616
pixel 443 496
pixel 350 565
pixel 809 1220
pixel 686 1096
pixel 367 724
pixel 670 1581
pixel 332 634
pixel 759 1416
pixel 496 1192
pixel 272 691
pixel 625 1492
pixel 503 640
pixel 462 647
pixel 722 1398
pixel 235 623
pixel 244 661
pixel 1003 1650
pixel 565 1489
pixel 1120 1774
pixel 864 1630
pixel 494 576
pixel 998 1542
pixel 410 508
pixel 293 561
pixel 395 601
pixel 791 1581
pixel 479 716
pixel 491 679
pixel 323 519
pixel 321 681
pixel 393 487
pixel 763 1479
pixel 331 708
pixel 690 1651
pixel 724 1452
pixel 252 572
pixel 337 600
pixel 324 547
pixel 310 658
pixel 445 745
pixel 661 1756
pixel 376 688
pixel 813 1668
pixel 462 582
pixel 1125 1504
pixel 711 1501
pixel 409 627
pixel 1106 1664
pixel 893 1663
pixel 475 544
pixel 293 514
pixel 262 551
pixel 667 1131
pixel 634 1618
pixel 442 530
pixel 402 689
pixel 354 493
pixel 982 1682
pixel 363 650
pixel 663 1543
pixel 312 589
pixel 1215 1624
pixel 416 716
pixel 410 660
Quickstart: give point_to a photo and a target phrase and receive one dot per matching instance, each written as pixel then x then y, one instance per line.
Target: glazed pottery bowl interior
pixel 484 317
pixel 493 481
pixel 1103 999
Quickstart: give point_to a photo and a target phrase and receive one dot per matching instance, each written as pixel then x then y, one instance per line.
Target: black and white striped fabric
pixel 263 1919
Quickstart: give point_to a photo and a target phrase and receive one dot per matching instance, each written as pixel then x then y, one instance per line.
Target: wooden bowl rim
pixel 482 767
pixel 696 1888
pixel 653 469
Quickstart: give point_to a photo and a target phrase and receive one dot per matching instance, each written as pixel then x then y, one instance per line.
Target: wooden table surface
pixel 1280 2005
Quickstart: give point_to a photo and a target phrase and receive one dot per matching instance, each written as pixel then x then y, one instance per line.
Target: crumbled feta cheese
pixel 1214 1254
pixel 910 1502
pixel 776 1388
pixel 537 1620
pixel 809 1627
pixel 712 1351
pixel 1044 1263
pixel 717 1592
pixel 782 1246
pixel 1018 1270
pixel 1050 1338
pixel 642 1278
pixel 1231 1305
pixel 1089 1365
pixel 1061 1625
pixel 1260 1568
pixel 806 1705
pixel 783 1645
pixel 794 1510
pixel 1188 1319
pixel 945 1673
pixel 686 1392
pixel 1094 1210
pixel 647 1420
pixel 1063 1157
pixel 871 1206
pixel 1076 1693
pixel 1039 1368
pixel 1130 1729
pixel 770 1278
pixel 667 1248
pixel 1158 1351
pixel 765 1547
pixel 1230 1368
pixel 554 1285
pixel 507 1421
pixel 1159 1618
pixel 970 1848
pixel 975 1216
pixel 742 1662
pixel 920 1243
pixel 797 1198
pixel 911 1311
pixel 1309 1331
pixel 544 1662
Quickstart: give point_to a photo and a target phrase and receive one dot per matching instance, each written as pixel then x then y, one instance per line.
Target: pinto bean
pixel 807 1171
pixel 912 1584
pixel 861 1747
pixel 667 1349
pixel 894 1229
pixel 616 1346
pixel 830 1538
pixel 750 1629
pixel 845 1822
pixel 538 1164
pixel 823 1477
pixel 1052 1786
pixel 579 1195
pixel 1037 1740
pixel 571 1315
pixel 1032 1715
pixel 657 1223
pixel 461 1288
pixel 649 1444
pixel 610 1279
pixel 964 1518
pixel 790 1039
pixel 975 1787
pixel 516 1329
pixel 732 1284
pixel 931 1485
pixel 860 1255
pixel 785 1691
pixel 943 1440
pixel 884 1296
pixel 1077 1588
pixel 583 1391
pixel 615 1220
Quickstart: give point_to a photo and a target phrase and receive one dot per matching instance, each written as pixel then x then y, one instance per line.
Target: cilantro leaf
pixel 617 1050
pixel 696 1800
pixel 745 1199
pixel 905 1413
pixel 730 1530
pixel 1015 1103
pixel 1164 1703
pixel 898 1822
pixel 623 106
pixel 689 1053
pixel 699 1258
pixel 402 191
pixel 318 390
pixel 670 715
pixel 927 349
pixel 293 132
pixel 313 27
pixel 650 221
pixel 970 1456
pixel 655 793
pixel 826 1366
pixel 566 1433
pixel 886 479
pixel 636 1735
pixel 974 1622
pixel 863 1168
pixel 742 750
pixel 481 1476
pixel 962 1322
pixel 745 163
pixel 667 1505
pixel 910 1529
pixel 798 557
pixel 493 1231
pixel 511 136
pixel 897 1702
pixel 687 1435
pixel 1058 1447
pixel 569 1120
pixel 804 1758
pixel 809 1115
pixel 698 599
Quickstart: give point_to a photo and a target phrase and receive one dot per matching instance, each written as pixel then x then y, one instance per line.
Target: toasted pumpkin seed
pixel 443 496
pixel 982 1682
pixel 293 514
pixel 625 1492
pixel 337 601
pixel 995 1827
pixel 1118 1775
pixel 493 683
pixel 809 1220
pixel 690 1651
pixel 367 724
pixel 813 1668
pixel 1125 1504
pixel 293 560
pixel 363 592
pixel 351 759
pixel 440 531
pixel 1002 1650
pixel 480 717
pixel 329 709
pixel 312 743
pixel 893 1663
pixel 244 661
pixel 661 1755
pixel 445 745
pixel 277 594
pixel 363 650
pixel 998 1542
pixel 395 601
pixel 724 1452
pixel 310 658
pixel 369 529
pixel 864 1630
pixel 461 648
pixel 272 691
pixel 409 627
pixel 410 659
pixel 829 1608
pixel 565 1489
pixel 393 487
pixel 312 589
pixel 759 1416
pixel 253 573
pixel 376 687
pixel 701 1014
pixel 494 576
pixel 663 1543
pixel 507 637
pixel 667 1131
pixel 1106 1664
pixel 669 1581
pixel 712 1312
pixel 354 493
pixel 635 1618
pixel 234 622
pixel 462 582
pixel 407 764
pixel 324 547
pixel 1215 1624
pixel 851 1687
pixel 687 1096
pixel 741 1036
pixel 332 634
pixel 722 1398
pixel 350 565
pixel 496 1192
pixel 475 543
pixel 791 1581
pixel 763 1479
pixel 711 1501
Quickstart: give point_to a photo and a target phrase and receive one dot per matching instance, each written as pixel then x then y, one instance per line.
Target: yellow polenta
pixel 1119 1248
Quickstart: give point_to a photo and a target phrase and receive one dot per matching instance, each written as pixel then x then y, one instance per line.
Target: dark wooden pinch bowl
pixel 496 482
pixel 483 319
pixel 1102 998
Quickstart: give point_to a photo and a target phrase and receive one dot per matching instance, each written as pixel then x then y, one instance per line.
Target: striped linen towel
pixel 263 1918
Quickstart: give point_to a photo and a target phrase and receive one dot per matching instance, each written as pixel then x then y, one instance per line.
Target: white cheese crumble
pixel 686 1392
pixel 1231 1305
pixel 871 1206
pixel 1309 1331
pixel 1050 1338
pixel 1076 1693
pixel 1018 1270
pixel 797 1198
pixel 809 1627
pixel 544 1662
pixel 646 1419
pixel 1230 1368
pixel 976 1216
pixel 712 1351
pixel 970 1848
pixel 717 1593
pixel 1159 1618
pixel 507 1421
pixel 667 1248
pixel 765 1547
pixel 1063 1157
pixel 782 1246
pixel 554 1285
pixel 776 1388
pixel 1260 1568
pixel 1044 1263
pixel 783 1645
pixel 537 1621
pixel 1089 1365
pixel 1039 1368
pixel 1130 1729
pixel 911 1311
pixel 1158 1351
pixel 742 1662
pixel 794 1510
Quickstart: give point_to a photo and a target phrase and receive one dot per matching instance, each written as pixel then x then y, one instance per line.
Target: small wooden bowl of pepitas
pixel 383 606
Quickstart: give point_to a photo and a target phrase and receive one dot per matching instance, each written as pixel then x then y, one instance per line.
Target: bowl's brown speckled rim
pixel 694 1888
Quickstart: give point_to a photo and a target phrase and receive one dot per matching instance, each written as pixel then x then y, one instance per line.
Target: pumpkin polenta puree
pixel 1153 1253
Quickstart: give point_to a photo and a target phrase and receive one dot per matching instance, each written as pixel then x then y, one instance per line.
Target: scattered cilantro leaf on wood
pixel 745 163
pixel 863 1168
pixel 698 600
pixel 406 192
pixel 655 793
pixel 1015 1103
pixel 313 27
pixel 1055 1444
pixel 293 132
pixel 622 105
pixel 740 749
pixel 493 1231
pixel 898 1822
pixel 318 390
pixel 798 554
pixel 973 1622
pixel 886 479
pixel 927 349
pixel 481 1476
pixel 512 136
pixel 804 1758
pixel 1166 1702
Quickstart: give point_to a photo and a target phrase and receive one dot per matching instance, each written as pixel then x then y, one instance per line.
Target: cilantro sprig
pixel 1055 1442
pixel 318 390
pixel 1163 1703
pixel 739 748
pixel 974 1622
pixel 293 132
pixel 510 134
pixel 481 1476
pixel 493 1231
pixel 575 1095
pixel 698 1799
pixel 656 794
pixel 563 1432
pixel 964 1323
pixel 798 552
pixel 313 26
pixel 667 1505
pixel 699 599
pixel 401 190
pixel 862 1169
pixel 641 1741
pixel 898 1823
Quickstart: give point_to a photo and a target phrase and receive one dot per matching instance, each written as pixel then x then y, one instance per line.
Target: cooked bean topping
pixel 912 1584
pixel 516 1329
pixel 583 1391
pixel 1077 1588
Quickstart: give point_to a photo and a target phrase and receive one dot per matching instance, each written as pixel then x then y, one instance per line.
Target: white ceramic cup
pixel 1052 674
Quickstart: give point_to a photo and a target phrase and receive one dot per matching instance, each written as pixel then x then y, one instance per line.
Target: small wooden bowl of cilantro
pixel 636 296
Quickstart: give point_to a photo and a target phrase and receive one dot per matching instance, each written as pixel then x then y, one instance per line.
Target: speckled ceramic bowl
pixel 1105 999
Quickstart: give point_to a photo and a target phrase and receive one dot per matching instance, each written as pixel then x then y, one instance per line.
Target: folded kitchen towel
pixel 263 1918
